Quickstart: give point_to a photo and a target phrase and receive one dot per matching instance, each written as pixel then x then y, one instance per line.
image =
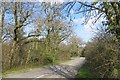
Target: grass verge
pixel 25 68
pixel 85 72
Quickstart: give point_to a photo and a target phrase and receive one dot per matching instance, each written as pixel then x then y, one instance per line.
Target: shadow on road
pixel 66 71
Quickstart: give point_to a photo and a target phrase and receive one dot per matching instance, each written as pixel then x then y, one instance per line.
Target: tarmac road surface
pixel 65 70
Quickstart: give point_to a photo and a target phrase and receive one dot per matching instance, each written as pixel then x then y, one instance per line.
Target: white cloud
pixel 89 26
pixel 78 21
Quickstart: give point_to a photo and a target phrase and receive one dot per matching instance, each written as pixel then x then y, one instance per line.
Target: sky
pixel 82 31
pixel 85 32
pixel 88 31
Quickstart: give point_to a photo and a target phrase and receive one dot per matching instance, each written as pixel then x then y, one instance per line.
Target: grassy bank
pixel 85 72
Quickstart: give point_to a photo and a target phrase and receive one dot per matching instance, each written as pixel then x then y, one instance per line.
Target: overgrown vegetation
pixel 103 56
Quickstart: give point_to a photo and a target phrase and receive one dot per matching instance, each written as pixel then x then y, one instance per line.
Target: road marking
pixel 40 76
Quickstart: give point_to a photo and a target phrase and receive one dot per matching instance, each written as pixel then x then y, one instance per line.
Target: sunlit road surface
pixel 65 70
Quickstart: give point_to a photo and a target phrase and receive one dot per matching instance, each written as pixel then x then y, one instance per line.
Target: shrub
pixel 102 58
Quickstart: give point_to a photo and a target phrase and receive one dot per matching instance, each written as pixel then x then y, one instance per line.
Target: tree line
pixel 35 33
